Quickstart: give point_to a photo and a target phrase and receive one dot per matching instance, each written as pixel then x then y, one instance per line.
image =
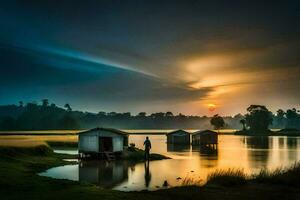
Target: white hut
pixel 102 140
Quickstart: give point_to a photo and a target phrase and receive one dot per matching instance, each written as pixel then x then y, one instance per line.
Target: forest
pixel 48 116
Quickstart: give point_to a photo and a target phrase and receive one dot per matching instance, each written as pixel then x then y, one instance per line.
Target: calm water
pixel 248 153
pixel 65 150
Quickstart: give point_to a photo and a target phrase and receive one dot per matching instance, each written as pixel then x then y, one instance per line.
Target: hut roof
pixel 112 130
pixel 180 130
pixel 204 132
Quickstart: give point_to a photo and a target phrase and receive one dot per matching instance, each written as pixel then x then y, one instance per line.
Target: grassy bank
pixel 19 180
pixel 289 176
pixel 41 132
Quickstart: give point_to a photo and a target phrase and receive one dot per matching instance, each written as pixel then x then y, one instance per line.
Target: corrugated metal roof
pixel 180 130
pixel 116 131
pixel 204 132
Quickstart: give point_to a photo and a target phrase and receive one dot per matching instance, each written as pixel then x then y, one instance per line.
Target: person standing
pixel 147 145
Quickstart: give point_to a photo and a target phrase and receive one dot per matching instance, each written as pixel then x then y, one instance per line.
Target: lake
pixel 241 152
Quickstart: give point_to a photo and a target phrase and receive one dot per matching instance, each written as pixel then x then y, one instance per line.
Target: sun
pixel 212 107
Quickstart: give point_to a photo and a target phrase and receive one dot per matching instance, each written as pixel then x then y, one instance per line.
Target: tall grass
pixel 31 141
pixel 289 176
pixel 39 150
pixel 189 181
pixel 286 176
pixel 228 177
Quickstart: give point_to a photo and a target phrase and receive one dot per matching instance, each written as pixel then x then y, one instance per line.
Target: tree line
pixel 48 116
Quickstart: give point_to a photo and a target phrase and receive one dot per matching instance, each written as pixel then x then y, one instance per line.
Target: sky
pixel 133 56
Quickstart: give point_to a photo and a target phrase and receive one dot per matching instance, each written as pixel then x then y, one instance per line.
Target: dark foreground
pixel 19 180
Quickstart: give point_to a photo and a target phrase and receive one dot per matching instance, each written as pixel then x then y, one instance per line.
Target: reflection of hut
pixel 178 137
pixel 206 137
pixel 209 151
pixel 102 140
pixel 104 174
pixel 178 147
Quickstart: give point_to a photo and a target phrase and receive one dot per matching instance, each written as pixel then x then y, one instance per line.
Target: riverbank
pixel 19 179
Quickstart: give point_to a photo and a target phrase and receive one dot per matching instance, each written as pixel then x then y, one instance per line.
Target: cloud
pixel 59 75
pixel 171 52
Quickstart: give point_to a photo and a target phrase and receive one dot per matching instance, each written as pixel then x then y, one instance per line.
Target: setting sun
pixel 211 107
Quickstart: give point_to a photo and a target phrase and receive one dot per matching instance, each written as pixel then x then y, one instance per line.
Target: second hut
pixel 178 137
pixel 206 137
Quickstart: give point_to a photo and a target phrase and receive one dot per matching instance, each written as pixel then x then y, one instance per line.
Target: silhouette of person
pixel 147 174
pixel 147 145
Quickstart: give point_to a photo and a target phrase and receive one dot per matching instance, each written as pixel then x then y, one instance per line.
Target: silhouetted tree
pixel 243 122
pixel 101 114
pixel 142 114
pixel 217 121
pixel 258 118
pixel 8 123
pixel 158 115
pixel 21 104
pixel 169 114
pixel 45 102
pixel 112 114
pixel 280 118
pixel 33 116
pixel 68 122
pixel 292 118
pixel 68 107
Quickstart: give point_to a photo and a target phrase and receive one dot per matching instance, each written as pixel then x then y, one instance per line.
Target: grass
pixel 229 177
pixel 287 176
pixel 190 181
pixel 39 150
pixel 41 132
pixel 31 141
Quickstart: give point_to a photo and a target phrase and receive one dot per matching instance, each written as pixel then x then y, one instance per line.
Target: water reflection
pixel 147 173
pixel 248 153
pixel 258 142
pixel 258 150
pixel 292 142
pixel 208 155
pixel 103 173
pixel 178 147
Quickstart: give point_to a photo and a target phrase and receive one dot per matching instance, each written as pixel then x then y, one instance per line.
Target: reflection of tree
pixel 292 142
pixel 147 174
pixel 281 142
pixel 258 150
pixel 258 142
pixel 178 147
